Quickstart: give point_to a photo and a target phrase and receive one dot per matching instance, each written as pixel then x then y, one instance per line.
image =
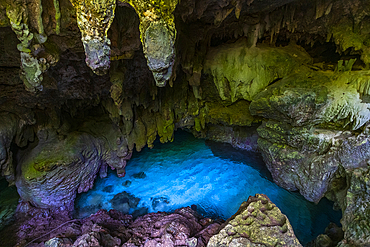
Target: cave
pixel 184 123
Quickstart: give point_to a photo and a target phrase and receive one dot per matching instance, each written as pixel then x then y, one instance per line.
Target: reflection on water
pixel 215 177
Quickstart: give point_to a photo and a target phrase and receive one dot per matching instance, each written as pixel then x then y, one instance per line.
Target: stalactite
pixel 31 66
pixel 158 35
pixel 57 16
pixel 94 19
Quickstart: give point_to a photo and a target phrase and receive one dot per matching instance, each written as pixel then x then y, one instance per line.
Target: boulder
pixel 258 222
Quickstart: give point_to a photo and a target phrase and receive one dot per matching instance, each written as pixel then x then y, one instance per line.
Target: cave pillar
pixel 94 18
pixel 158 35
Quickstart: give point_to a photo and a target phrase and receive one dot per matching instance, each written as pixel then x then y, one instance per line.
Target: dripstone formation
pixel 85 83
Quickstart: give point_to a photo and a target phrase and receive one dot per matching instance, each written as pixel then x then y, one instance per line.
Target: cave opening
pixel 214 178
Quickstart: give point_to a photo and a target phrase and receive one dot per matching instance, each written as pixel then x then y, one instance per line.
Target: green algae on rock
pixel 258 222
pixel 356 214
pixel 240 71
pixel 60 166
pixel 158 36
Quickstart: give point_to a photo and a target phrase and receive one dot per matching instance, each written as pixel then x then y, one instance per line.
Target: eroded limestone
pixel 258 222
pixel 158 36
pixel 94 19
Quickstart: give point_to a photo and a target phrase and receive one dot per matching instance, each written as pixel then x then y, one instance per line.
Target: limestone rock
pixel 94 19
pixel 316 98
pixel 355 219
pixel 241 72
pixel 304 146
pixel 258 222
pixel 59 242
pixel 59 167
pixel 158 35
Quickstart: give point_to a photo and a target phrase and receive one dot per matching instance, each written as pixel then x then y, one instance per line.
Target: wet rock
pixel 59 242
pixel 159 203
pixel 127 183
pixel 61 166
pixel 97 238
pixel 249 68
pixel 158 35
pixel 139 212
pixel 10 128
pixel 108 189
pixel 124 201
pixel 258 222
pixel 139 175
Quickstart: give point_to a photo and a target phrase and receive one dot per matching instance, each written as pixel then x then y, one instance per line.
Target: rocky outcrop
pixel 355 215
pixel 56 169
pixel 258 222
pixel 182 227
pixel 316 135
pixel 240 71
pixel 302 144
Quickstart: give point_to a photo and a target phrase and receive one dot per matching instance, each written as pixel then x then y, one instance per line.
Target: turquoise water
pixel 215 177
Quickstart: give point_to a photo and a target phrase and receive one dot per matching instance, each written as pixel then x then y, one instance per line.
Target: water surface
pixel 214 176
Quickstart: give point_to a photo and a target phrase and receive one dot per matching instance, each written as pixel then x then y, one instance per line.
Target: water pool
pixel 213 176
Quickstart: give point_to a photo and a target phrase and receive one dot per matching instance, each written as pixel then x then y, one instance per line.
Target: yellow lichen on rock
pixel 94 18
pixel 158 35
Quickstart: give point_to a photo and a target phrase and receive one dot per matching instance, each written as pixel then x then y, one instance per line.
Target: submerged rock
pixel 124 202
pixel 258 222
pixel 139 175
pixel 159 203
pixel 127 183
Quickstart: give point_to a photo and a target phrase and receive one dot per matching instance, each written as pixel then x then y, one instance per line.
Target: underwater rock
pixel 127 183
pixel 333 235
pixel 159 203
pixel 124 202
pixel 258 222
pixel 139 212
pixel 108 189
pixel 139 175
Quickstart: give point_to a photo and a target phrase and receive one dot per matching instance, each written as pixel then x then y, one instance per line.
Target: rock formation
pixel 258 222
pixel 84 83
